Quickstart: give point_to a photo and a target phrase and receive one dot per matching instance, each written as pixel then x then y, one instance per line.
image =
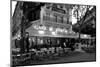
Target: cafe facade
pixel 53 28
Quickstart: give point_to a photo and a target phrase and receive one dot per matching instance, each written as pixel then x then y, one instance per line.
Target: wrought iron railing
pixel 52 19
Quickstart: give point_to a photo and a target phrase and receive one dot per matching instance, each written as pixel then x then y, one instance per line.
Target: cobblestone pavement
pixel 67 58
pixel 72 57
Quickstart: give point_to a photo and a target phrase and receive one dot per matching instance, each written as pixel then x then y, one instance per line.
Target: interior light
pixel 66 31
pixel 59 30
pixel 19 37
pixel 29 39
pixel 51 29
pixel 85 35
pixel 41 32
pixel 36 27
pixel 42 27
pixel 70 31
pixel 54 33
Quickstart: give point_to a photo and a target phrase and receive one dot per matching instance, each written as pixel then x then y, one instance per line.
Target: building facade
pixel 54 26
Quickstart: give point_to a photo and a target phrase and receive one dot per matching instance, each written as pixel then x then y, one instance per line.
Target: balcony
pixel 51 21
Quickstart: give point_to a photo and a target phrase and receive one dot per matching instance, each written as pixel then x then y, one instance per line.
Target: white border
pixel 5 33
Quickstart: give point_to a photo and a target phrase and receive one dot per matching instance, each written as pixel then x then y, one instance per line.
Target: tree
pixel 79 11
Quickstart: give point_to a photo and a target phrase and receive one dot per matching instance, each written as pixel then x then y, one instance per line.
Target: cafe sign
pixel 58 10
pixel 39 27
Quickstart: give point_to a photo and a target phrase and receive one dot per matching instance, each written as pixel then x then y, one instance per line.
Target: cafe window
pixel 33 40
pixel 39 41
pixel 48 41
pixel 54 41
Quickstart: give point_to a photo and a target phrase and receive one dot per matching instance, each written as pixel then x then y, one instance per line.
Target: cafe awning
pixel 36 30
pixel 46 33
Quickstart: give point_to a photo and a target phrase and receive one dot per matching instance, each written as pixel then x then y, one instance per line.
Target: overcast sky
pixel 13 6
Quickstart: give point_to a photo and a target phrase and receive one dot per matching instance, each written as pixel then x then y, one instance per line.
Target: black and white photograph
pixel 52 33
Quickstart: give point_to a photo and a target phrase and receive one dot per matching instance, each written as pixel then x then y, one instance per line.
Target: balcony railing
pixel 55 22
pixel 52 19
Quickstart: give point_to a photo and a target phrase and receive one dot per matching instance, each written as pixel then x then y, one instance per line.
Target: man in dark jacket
pixel 27 41
pixel 22 47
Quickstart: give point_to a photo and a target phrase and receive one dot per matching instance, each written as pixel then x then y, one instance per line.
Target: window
pixel 47 16
pixel 39 41
pixel 60 6
pixel 33 40
pixel 65 20
pixel 61 19
pixel 55 18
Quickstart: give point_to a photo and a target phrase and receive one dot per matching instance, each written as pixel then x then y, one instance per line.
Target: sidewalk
pixel 68 58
